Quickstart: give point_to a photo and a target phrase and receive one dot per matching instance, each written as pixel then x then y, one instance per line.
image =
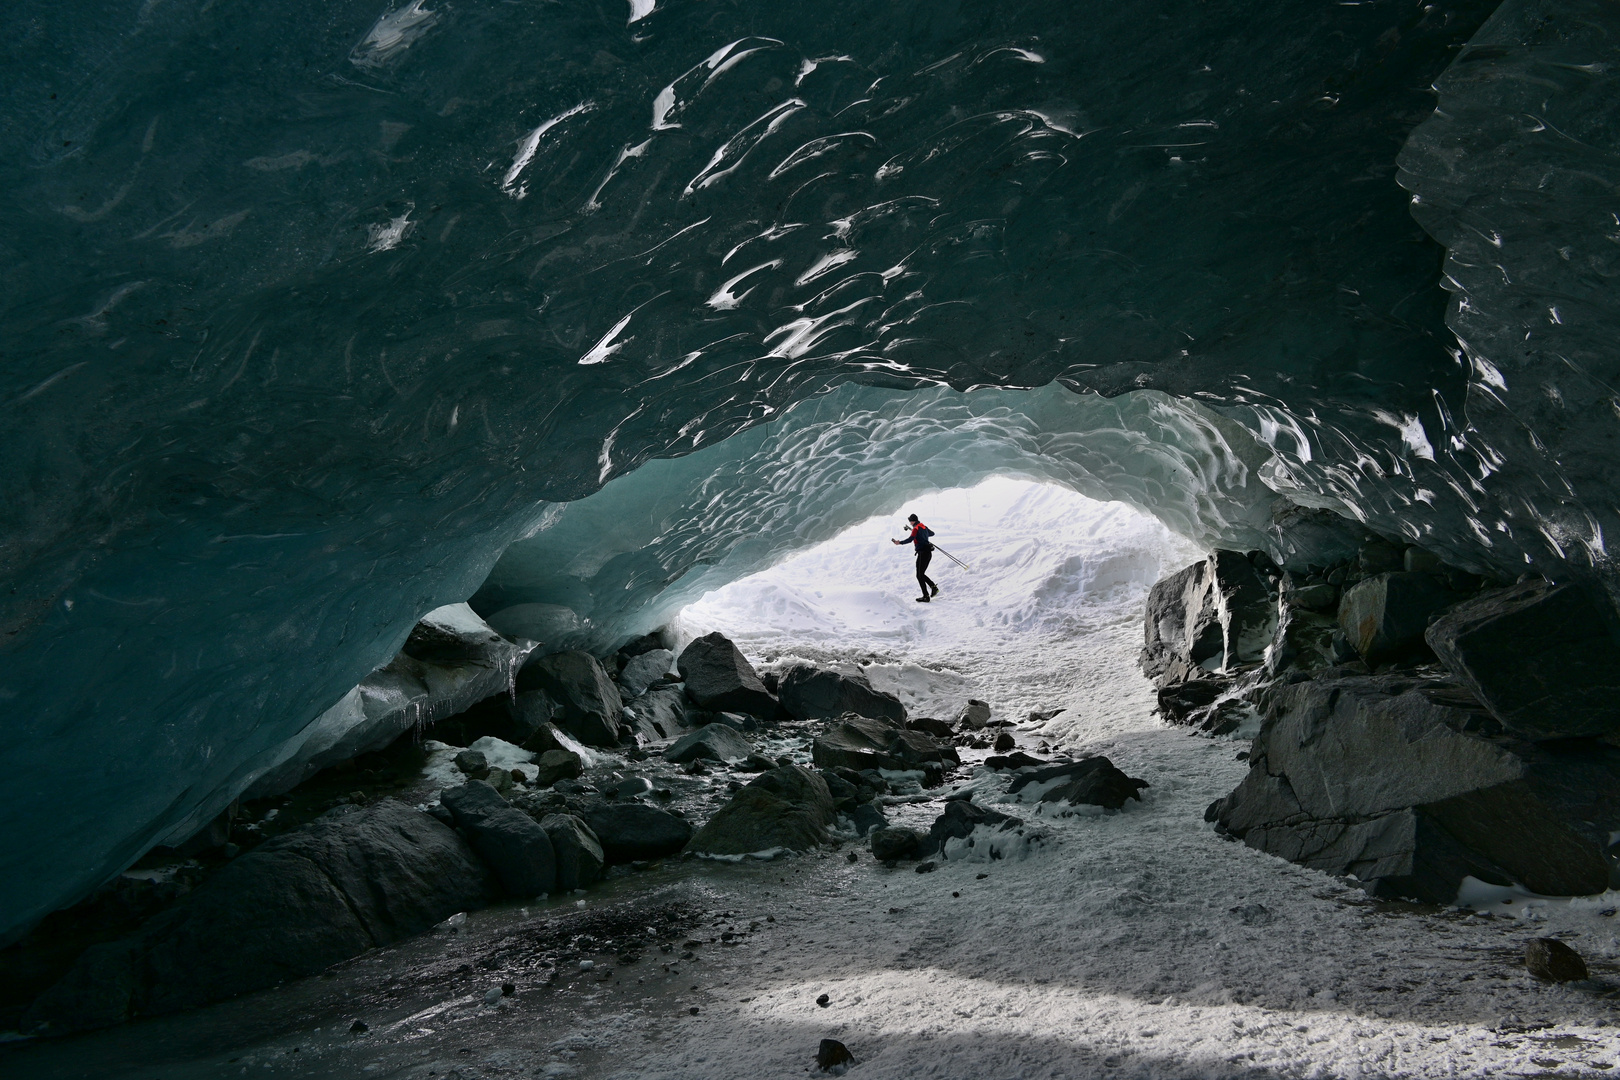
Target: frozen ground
pixel 1133 944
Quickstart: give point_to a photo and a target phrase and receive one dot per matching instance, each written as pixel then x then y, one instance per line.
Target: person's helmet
pixel 913 517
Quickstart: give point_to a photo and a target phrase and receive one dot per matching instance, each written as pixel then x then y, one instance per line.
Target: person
pixel 925 551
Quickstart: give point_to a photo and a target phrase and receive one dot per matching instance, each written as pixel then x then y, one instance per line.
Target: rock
pixel 1410 785
pixel 1094 781
pixel 712 742
pixel 927 867
pixel 939 729
pixel 893 842
pixel 719 678
pixel 472 763
pixel 1538 656
pixel 866 817
pixel 550 737
pixel 1004 742
pixel 589 701
pixel 975 714
pixel 639 646
pixel 1218 614
pixel 1551 960
pixel 661 713
pixel 858 742
pixel 1384 616
pixel 579 853
pixel 757 763
pixel 1254 915
pixel 632 832
pixel 809 693
pixel 1015 760
pixel 959 820
pixel 530 711
pixel 291 907
pixel 1321 597
pixel 632 787
pixel 641 671
pixel 788 807
pixel 832 1054
pixel 512 842
pixel 555 765
pixel 1200 703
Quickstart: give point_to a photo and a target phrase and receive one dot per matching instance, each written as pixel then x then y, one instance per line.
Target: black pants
pixel 923 557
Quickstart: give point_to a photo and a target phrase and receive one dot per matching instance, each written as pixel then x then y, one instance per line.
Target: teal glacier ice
pixel 315 314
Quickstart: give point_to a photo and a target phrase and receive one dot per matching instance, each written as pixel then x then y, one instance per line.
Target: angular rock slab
pixel 789 807
pixel 959 820
pixel 719 678
pixel 634 832
pixel 1408 785
pixel 811 693
pixel 1384 616
pixel 642 670
pixel 712 742
pixel 1216 615
pixel 588 699
pixel 1538 656
pixel 1092 781
pixel 858 742
pixel 291 907
pixel 579 853
pixel 512 842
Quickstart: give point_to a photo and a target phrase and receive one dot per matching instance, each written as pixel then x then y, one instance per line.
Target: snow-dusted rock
pixel 811 693
pixel 1094 781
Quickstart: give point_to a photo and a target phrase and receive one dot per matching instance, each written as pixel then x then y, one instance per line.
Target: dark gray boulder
pixel 1551 960
pixel 1538 656
pixel 1094 781
pixel 589 703
pixel 959 820
pixel 811 693
pixel 641 671
pixel 1409 785
pixel 788 807
pixel 579 853
pixel 512 842
pixel 634 832
pixel 1216 615
pixel 866 817
pixel 297 904
pixel 939 729
pixel 719 678
pixel 555 765
pixel 1384 616
pixel 890 843
pixel 643 644
pixel 859 742
pixel 530 711
pixel 712 742
pixel 975 714
pixel 661 713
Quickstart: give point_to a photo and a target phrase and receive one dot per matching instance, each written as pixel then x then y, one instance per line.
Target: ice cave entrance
pixel 1047 616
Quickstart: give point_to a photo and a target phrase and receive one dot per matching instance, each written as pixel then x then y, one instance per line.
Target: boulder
pixel 472 763
pixel 530 711
pixel 549 737
pixel 975 714
pixel 633 832
pixel 352 880
pixel 644 669
pixel 1094 781
pixel 959 820
pixel 1409 785
pixel 890 843
pixel 810 693
pixel 719 678
pixel 588 700
pixel 555 765
pixel 712 742
pixel 1219 614
pixel 579 853
pixel 1552 961
pixel 788 807
pixel 858 742
pixel 1318 597
pixel 1538 656
pixel 661 713
pixel 939 729
pixel 866 817
pixel 1384 616
pixel 512 842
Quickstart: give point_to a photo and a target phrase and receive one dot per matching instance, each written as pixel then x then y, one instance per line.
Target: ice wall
pixel 307 307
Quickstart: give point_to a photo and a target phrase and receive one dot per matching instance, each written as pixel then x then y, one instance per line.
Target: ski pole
pixel 951 557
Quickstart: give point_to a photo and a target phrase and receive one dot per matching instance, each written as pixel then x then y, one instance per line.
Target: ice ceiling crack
pixel 287 363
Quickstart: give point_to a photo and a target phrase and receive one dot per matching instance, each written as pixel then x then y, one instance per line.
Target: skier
pixel 925 551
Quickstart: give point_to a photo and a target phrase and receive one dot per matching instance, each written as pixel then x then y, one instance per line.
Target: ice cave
pixel 450 453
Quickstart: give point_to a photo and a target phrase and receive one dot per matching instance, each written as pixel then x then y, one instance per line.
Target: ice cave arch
pixel 310 310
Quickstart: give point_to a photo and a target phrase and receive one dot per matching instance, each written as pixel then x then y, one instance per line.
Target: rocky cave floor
pixel 1136 943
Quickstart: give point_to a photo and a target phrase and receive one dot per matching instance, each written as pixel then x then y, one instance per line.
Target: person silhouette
pixel 919 537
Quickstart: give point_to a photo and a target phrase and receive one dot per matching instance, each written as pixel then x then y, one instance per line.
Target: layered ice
pixel 311 309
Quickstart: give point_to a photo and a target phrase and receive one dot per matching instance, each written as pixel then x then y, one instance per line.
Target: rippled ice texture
pixel 308 306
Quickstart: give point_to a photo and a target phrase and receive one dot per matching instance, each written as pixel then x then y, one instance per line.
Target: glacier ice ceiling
pixel 311 309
